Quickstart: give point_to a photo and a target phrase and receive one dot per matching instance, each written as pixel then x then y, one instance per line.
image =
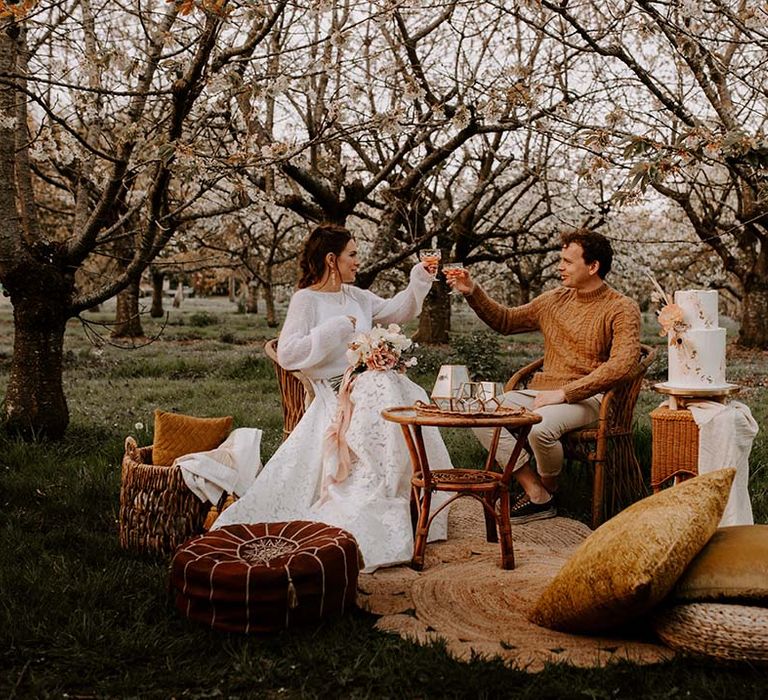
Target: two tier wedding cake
pixel 696 342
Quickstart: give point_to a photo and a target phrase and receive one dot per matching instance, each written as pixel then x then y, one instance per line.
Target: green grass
pixel 82 618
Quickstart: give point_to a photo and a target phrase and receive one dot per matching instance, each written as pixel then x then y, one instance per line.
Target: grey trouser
pixel 544 438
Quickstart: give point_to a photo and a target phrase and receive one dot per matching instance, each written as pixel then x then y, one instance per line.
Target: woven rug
pixel 464 598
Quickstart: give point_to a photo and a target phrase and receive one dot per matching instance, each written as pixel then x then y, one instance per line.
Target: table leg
pixel 490 520
pixel 422 528
pixel 414 508
pixel 505 530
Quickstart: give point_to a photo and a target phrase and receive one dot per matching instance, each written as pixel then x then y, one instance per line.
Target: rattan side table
pixel 675 435
pixel 489 487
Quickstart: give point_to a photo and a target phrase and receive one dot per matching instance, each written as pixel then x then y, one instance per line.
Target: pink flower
pixel 381 358
pixel 670 316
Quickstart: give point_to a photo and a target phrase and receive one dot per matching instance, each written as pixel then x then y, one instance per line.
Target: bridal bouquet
pixel 380 349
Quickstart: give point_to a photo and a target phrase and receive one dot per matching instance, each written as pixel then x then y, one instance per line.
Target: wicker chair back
pixel 296 391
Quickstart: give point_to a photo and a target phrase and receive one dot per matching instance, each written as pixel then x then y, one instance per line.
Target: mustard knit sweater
pixel 591 339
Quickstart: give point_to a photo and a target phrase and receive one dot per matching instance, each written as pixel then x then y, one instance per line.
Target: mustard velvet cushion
pixel 732 566
pixel 632 561
pixel 177 435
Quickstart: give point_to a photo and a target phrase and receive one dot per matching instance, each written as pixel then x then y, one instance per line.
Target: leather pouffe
pixel 265 577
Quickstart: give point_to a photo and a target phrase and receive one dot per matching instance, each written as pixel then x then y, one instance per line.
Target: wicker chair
pixel 608 446
pixel 296 391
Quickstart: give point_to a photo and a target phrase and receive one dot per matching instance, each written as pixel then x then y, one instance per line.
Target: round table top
pixel 725 390
pixel 409 415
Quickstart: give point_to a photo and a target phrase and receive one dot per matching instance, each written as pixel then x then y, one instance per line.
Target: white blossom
pixel 7 122
pixel 461 117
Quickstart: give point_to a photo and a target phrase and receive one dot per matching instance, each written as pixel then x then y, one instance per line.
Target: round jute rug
pixel 464 598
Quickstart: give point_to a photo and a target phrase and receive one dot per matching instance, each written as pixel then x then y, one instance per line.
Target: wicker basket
pixel 675 448
pixel 157 510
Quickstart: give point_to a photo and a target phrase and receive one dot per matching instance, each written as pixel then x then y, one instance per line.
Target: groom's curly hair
pixel 594 245
pixel 325 238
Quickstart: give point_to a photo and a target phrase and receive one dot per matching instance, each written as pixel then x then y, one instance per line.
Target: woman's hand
pixel 431 267
pixel 461 281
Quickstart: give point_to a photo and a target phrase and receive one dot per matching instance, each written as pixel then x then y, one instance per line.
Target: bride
pixel 373 501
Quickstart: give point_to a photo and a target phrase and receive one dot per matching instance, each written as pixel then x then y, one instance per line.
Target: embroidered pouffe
pixel 265 577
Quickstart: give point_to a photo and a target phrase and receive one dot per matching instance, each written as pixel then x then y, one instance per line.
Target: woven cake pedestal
pixel 675 435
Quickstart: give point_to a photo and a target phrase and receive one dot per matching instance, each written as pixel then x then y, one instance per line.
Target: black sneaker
pixel 523 510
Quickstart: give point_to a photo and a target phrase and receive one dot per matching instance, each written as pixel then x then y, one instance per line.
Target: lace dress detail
pixel 373 503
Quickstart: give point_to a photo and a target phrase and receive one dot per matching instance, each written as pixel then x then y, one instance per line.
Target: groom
pixel 591 341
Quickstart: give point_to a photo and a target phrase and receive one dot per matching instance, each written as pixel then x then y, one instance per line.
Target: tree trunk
pixel 252 299
pixel 127 319
pixel 232 289
pixel 156 311
pixel 753 332
pixel 269 302
pixel 435 319
pixel 35 405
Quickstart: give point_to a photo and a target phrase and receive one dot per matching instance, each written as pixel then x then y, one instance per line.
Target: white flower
pixel 7 122
pixel 461 117
pixel 139 426
pixel 354 355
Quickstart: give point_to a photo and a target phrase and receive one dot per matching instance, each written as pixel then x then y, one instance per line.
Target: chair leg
pixel 422 528
pixel 598 487
pixel 505 532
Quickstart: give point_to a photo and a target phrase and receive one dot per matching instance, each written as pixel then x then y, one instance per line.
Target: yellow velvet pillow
pixel 177 435
pixel 632 561
pixel 732 566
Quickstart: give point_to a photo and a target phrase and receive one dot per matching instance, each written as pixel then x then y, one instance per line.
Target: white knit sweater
pixel 317 328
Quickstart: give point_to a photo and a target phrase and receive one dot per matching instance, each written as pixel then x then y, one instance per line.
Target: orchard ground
pixel 82 618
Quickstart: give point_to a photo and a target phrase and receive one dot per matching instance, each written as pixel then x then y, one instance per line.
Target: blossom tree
pixel 262 245
pixel 101 101
pixel 680 107
pixel 398 120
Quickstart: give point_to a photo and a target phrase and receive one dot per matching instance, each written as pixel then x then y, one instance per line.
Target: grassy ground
pixel 81 618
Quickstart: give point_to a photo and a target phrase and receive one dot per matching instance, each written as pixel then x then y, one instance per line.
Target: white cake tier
pixel 698 361
pixel 699 307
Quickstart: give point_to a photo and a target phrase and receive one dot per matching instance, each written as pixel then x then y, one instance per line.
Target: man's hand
pixel 461 281
pixel 549 398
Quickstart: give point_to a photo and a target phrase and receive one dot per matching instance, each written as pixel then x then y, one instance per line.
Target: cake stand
pixel 678 396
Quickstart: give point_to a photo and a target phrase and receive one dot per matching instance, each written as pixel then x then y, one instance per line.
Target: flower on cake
pixel 380 349
pixel 670 315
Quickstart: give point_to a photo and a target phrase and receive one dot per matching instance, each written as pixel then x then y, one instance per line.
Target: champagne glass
pixel 452 270
pixel 431 256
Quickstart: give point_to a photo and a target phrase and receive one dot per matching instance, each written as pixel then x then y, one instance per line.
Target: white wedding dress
pixel 373 502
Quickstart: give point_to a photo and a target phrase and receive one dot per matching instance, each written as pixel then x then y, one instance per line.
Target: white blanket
pixel 726 432
pixel 230 468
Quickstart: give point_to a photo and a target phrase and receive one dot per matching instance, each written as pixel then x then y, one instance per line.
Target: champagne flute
pixel 452 270
pixel 430 257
